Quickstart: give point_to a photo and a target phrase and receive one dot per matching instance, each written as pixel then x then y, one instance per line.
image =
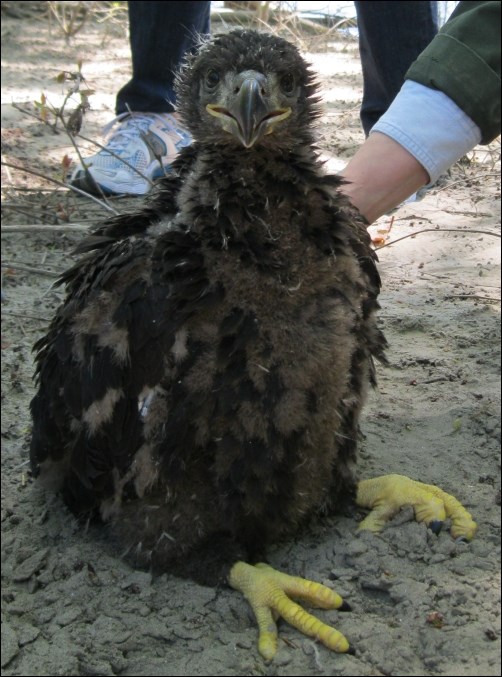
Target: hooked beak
pixel 249 116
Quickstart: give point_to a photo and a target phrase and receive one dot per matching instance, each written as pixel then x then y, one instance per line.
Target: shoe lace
pixel 132 126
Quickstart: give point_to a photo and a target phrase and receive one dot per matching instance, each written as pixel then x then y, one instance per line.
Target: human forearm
pixel 381 174
pixel 419 137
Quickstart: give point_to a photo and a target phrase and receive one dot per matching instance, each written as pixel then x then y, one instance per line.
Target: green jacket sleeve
pixel 463 61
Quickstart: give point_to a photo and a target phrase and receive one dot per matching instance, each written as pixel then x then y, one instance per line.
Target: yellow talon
pixel 268 592
pixel 387 495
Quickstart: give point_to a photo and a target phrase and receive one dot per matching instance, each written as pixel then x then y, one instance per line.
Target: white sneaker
pixel 139 140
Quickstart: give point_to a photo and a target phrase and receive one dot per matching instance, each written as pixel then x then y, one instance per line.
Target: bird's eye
pixel 287 83
pixel 212 79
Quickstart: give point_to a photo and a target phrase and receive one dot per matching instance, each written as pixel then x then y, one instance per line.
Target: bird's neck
pixel 234 190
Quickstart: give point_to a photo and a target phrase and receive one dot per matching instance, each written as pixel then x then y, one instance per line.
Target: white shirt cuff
pixel 430 126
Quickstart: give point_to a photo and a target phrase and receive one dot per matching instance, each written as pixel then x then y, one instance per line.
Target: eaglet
pixel 200 387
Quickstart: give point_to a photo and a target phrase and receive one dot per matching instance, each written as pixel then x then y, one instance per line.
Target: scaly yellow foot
pixel 268 591
pixel 387 495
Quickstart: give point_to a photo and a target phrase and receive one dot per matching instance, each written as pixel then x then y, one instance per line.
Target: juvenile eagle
pixel 200 387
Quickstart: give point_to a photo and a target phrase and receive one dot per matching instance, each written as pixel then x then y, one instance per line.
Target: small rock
pixel 356 548
pixel 68 616
pixel 31 566
pixel 96 668
pixel 181 631
pixel 438 557
pixel 137 581
pixel 376 584
pixel 10 645
pixel 27 633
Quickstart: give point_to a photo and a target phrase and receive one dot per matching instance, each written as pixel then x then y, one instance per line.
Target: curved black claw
pixel 351 651
pixel 435 526
pixel 462 539
pixel 345 607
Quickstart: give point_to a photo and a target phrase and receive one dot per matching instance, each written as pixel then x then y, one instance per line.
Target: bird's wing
pixel 107 353
pixel 161 202
pixel 344 231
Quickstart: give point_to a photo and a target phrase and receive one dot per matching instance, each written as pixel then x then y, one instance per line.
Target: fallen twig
pixel 36 228
pixel 30 269
pixel 82 162
pixel 476 297
pixel 77 149
pixel 474 177
pixel 8 313
pixel 65 185
pixel 27 112
pixel 439 230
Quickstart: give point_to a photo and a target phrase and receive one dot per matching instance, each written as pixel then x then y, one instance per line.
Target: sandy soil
pixel 422 604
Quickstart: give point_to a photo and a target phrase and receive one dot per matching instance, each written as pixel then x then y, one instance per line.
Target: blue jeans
pixel 391 36
pixel 161 33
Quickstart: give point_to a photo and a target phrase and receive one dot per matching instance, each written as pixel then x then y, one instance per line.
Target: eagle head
pixel 248 88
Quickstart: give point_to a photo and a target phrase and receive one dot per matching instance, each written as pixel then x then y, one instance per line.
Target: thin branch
pixel 29 269
pixel 438 230
pixel 86 168
pixel 20 209
pixel 27 189
pixel 8 313
pixel 70 136
pixel 472 296
pixel 28 112
pixel 36 228
pixel 85 138
pixel 64 185
pixel 465 178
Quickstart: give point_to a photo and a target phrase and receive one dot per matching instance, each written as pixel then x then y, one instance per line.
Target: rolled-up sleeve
pixel 463 62
pixel 430 126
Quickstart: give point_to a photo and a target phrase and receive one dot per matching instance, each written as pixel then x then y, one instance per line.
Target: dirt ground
pixel 422 604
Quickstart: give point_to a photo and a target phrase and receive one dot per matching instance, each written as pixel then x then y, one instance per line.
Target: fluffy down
pixel 200 387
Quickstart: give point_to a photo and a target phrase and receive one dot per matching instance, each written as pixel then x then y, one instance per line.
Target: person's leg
pixel 391 36
pixel 161 33
pixel 145 142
